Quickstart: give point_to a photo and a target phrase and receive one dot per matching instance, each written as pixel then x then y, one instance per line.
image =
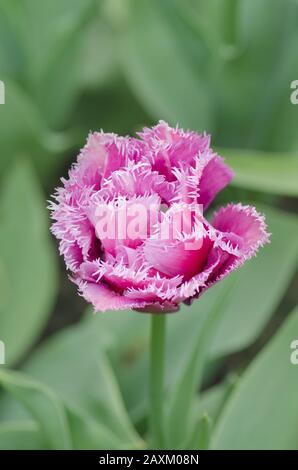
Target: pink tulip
pixel 117 220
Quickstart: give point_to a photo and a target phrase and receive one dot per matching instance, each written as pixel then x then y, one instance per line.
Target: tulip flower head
pixel 131 226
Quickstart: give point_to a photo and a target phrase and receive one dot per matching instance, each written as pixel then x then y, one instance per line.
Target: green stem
pixel 157 352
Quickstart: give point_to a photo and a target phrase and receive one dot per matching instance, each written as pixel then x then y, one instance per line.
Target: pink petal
pixel 125 228
pixel 175 258
pixel 72 227
pixel 103 298
pixel 173 147
pixel 245 223
pixel 136 180
pixel 103 154
pixel 215 176
pixel 240 232
pixel 135 283
pixel 193 287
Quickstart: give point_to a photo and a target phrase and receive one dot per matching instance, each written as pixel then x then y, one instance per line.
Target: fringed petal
pixel 245 224
pixel 103 298
pixel 105 153
pixel 72 227
pixel 215 176
pixel 173 147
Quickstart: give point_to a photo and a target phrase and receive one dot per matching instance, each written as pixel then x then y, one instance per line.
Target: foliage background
pixel 72 380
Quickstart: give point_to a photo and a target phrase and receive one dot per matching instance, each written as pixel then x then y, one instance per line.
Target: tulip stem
pixel 157 353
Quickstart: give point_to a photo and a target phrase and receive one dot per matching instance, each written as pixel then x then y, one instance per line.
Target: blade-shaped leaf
pixel 272 57
pixel 23 129
pixel 56 25
pixel 273 173
pixel 262 413
pixel 182 394
pixel 21 435
pixel 208 406
pixel 90 434
pixel 159 69
pixel 44 406
pixel 74 364
pixel 27 262
pixel 201 436
pixel 259 286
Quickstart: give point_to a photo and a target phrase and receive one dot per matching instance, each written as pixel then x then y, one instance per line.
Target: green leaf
pixel 258 288
pixel 272 173
pixel 42 404
pixel 20 125
pixel 208 406
pixel 90 434
pixel 55 54
pixel 21 435
pixel 183 392
pixel 160 68
pixel 11 54
pixel 74 364
pixel 213 400
pixel 96 65
pixel 27 262
pixel 262 413
pixel 22 129
pixel 58 25
pixel 271 53
pixel 201 436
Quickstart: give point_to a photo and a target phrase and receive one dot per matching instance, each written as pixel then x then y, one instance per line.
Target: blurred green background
pixel 74 66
